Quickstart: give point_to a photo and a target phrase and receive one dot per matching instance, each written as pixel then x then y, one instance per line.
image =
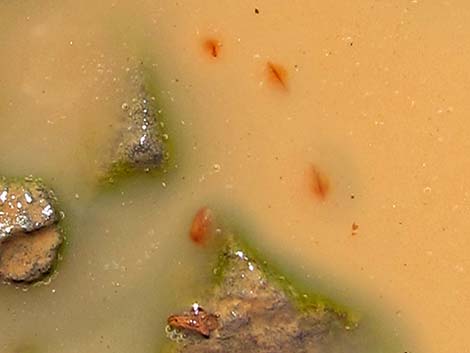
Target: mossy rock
pixel 257 310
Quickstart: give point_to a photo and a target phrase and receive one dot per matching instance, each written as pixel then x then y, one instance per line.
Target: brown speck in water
pixel 202 226
pixel 277 75
pixel 212 47
pixel 319 182
pixel 354 228
pixel 256 11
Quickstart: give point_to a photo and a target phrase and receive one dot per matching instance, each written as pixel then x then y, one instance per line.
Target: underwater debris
pixel 29 236
pixel 255 311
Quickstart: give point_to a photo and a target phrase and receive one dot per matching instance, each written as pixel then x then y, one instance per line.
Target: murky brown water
pixel 375 98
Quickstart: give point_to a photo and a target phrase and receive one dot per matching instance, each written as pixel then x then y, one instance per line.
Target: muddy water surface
pixel 373 97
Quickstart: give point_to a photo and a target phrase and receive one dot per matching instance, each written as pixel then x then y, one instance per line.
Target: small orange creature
pixel 198 320
pixel 212 47
pixel 354 228
pixel 277 75
pixel 319 182
pixel 202 226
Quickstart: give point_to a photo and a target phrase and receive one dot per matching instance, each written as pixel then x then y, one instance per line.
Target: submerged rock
pixel 25 205
pixel 29 235
pixel 141 144
pixel 26 257
pixel 142 140
pixel 254 310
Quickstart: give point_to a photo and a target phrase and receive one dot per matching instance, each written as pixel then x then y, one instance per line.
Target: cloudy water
pixel 335 132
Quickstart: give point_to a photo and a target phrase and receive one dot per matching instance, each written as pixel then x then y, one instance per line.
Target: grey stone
pixel 141 145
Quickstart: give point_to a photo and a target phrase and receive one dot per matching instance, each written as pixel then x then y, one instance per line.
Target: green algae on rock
pixel 256 310
pixel 141 143
pixel 29 234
